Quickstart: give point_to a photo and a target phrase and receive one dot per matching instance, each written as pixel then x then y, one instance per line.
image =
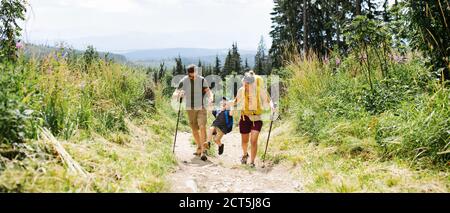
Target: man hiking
pixel 252 98
pixel 194 88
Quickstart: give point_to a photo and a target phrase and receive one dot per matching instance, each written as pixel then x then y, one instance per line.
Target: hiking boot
pixel 221 149
pixel 244 159
pixel 252 165
pixel 206 145
pixel 203 157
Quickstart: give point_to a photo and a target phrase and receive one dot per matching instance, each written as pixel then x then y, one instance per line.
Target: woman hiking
pixel 252 98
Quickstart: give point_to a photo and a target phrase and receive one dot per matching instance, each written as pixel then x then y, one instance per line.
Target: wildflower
pixel 326 60
pixel 19 45
pixel 338 61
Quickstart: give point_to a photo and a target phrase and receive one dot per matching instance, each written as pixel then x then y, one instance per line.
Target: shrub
pixel 18 121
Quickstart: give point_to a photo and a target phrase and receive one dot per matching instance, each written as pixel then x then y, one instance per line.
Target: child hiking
pixel 223 124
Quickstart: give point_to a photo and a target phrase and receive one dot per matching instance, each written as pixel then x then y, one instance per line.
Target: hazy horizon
pixel 124 25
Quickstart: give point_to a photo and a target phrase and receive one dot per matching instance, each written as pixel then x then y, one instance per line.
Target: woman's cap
pixel 249 77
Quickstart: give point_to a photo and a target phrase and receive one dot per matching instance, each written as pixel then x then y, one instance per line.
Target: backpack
pixel 228 121
pixel 258 111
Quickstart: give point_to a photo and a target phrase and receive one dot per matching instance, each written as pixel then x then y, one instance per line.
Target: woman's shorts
pixel 246 125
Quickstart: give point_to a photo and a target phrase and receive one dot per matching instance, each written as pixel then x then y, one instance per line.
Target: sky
pixel 122 25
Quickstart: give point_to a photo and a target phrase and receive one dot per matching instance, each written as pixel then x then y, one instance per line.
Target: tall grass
pixel 108 116
pixel 97 100
pixel 406 115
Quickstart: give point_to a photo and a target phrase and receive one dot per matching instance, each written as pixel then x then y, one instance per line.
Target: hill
pixel 153 57
pixel 40 51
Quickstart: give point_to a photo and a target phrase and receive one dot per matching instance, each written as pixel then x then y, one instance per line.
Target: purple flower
pixel 326 60
pixel 338 61
pixel 398 58
pixel 19 45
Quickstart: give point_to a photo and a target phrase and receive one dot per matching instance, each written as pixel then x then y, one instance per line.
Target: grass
pixel 406 114
pixel 340 136
pixel 104 117
pixel 326 168
pixel 136 161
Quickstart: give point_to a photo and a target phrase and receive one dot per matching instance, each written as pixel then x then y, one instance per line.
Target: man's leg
pixel 254 143
pixel 192 114
pixel 195 133
pixel 203 137
pixel 201 119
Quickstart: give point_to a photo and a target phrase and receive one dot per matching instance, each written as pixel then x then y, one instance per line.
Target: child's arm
pixel 214 112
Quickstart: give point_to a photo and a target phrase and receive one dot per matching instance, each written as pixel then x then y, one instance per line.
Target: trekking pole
pixel 268 137
pixel 176 129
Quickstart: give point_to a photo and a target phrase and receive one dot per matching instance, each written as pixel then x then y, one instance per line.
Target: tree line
pixel 323 27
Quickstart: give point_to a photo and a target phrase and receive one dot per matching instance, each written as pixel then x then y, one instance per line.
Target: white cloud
pixel 192 23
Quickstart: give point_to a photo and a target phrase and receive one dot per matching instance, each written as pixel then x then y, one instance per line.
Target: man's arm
pixel 210 95
pixel 207 91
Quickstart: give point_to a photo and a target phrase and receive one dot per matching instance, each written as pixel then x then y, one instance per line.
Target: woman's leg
pixel 254 143
pixel 244 139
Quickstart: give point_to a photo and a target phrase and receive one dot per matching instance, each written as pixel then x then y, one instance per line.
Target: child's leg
pixel 218 138
pixel 210 134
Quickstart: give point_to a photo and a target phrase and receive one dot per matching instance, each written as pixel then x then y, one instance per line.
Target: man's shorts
pixel 246 125
pixel 197 118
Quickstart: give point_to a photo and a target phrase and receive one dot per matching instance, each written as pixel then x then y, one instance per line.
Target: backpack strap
pixel 226 118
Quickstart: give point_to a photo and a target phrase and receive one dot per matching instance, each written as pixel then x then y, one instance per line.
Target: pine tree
pixel 179 67
pixel 217 66
pixel 358 7
pixel 305 27
pixel 261 58
pixel 200 67
pixel 236 60
pixel 276 50
pixel 228 66
pixel 302 25
pixel 11 11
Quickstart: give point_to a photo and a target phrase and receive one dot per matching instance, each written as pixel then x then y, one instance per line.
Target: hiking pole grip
pixel 176 128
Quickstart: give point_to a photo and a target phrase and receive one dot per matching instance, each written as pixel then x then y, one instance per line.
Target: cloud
pixel 222 21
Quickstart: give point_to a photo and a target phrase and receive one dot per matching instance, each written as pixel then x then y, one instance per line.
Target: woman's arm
pixel 267 100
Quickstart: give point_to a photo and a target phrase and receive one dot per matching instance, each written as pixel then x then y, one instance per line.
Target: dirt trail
pixel 224 173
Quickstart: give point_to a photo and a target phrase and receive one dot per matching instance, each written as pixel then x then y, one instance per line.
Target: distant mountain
pixel 153 57
pixel 40 51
